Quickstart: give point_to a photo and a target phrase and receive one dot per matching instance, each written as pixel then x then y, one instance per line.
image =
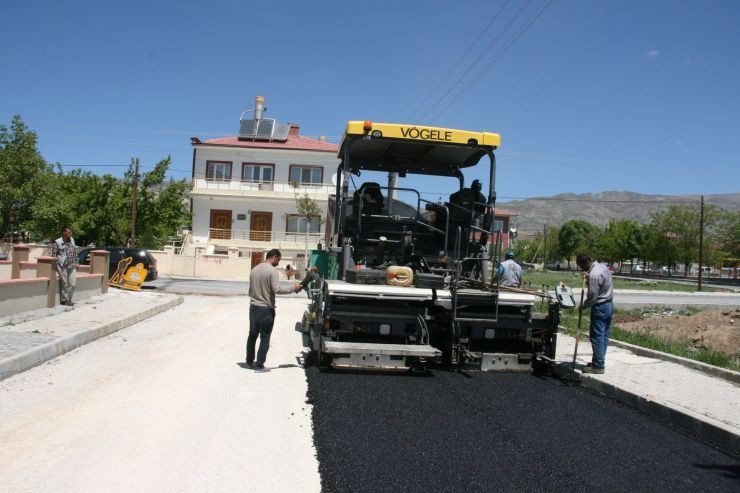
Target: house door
pixel 220 224
pixel 257 258
pixel 260 226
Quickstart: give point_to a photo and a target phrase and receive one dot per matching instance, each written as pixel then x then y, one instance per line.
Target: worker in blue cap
pixel 510 273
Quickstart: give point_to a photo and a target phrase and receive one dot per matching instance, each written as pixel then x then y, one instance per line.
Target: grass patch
pixel 573 279
pixel 676 348
pixel 569 321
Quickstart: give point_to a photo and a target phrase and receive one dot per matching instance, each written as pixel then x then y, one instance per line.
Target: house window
pixel 257 173
pixel 498 225
pixel 297 224
pixel 306 175
pixel 218 170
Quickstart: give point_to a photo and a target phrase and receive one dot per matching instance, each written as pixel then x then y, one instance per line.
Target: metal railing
pixel 243 187
pixel 272 236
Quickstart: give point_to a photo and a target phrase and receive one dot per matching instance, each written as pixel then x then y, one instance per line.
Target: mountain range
pixel 598 208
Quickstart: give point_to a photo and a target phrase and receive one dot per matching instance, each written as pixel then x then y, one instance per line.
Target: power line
pixel 183 132
pixel 148 130
pixel 599 201
pixel 459 61
pixel 472 65
pixel 93 165
pixel 496 58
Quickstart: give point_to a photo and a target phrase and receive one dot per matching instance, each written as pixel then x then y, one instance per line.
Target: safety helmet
pixel 509 254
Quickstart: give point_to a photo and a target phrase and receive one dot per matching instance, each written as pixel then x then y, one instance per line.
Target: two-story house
pixel 245 188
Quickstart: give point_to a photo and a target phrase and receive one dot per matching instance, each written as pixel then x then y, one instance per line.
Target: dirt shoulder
pixel 713 330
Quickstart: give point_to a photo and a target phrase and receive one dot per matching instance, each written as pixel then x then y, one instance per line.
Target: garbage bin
pixel 320 259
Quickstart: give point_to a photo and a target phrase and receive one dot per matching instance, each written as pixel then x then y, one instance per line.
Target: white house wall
pixel 202 207
pixel 281 158
pixel 230 196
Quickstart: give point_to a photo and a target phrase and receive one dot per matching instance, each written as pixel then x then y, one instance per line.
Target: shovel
pixel 580 317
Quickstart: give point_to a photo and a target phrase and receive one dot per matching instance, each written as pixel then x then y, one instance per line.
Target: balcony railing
pixel 248 187
pixel 272 236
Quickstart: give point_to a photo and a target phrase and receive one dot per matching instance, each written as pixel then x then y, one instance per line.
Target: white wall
pixel 240 203
pixel 202 207
pixel 6 269
pixel 86 286
pixel 20 295
pixel 28 270
pixel 229 266
pixel 281 158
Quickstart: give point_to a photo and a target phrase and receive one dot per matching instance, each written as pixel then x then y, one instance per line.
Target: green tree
pixel 525 250
pixel 78 199
pixel 553 248
pixel 727 233
pixel 309 210
pixel 577 236
pixel 657 246
pixel 622 239
pixel 161 208
pixel 23 175
pixel 679 225
pixel 98 208
pixel 38 198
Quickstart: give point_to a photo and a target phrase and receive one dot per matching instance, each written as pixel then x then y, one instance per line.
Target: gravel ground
pixel 496 432
pixel 163 406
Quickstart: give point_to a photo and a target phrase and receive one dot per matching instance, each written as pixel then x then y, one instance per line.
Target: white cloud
pixel 680 143
pixel 652 54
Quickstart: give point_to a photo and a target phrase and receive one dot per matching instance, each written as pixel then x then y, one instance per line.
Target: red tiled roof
pixel 504 212
pixel 294 142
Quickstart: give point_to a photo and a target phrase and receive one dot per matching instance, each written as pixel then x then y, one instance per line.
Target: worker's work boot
pixel 593 370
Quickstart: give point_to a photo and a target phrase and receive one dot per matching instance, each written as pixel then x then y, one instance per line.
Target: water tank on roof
pixel 259 128
pixel 265 129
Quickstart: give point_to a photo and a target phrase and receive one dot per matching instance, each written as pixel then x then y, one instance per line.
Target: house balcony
pixel 274 189
pixel 263 239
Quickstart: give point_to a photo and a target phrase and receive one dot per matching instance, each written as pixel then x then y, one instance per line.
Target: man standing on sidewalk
pixel 599 299
pixel 264 284
pixel 65 250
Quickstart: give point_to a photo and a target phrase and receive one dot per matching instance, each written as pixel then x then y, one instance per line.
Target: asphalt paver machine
pixel 413 283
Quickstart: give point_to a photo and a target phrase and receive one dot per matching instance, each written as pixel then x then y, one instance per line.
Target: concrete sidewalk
pixel 31 338
pixel 701 399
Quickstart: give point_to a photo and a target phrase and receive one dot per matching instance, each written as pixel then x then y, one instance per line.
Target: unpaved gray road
pixel 164 406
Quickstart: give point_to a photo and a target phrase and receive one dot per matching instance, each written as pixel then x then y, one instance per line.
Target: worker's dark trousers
pixel 261 320
pixel 601 324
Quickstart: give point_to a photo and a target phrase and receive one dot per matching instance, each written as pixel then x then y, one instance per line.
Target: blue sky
pixel 593 96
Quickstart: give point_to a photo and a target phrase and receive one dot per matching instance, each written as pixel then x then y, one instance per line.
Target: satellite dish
pixel 334 179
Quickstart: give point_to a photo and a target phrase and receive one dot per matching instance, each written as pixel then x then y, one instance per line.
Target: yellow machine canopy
pixel 401 148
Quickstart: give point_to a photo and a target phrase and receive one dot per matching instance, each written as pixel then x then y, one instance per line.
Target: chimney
pixel 294 130
pixel 259 107
pixel 322 138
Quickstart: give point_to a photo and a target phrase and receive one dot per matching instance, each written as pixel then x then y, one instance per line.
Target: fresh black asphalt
pixel 453 431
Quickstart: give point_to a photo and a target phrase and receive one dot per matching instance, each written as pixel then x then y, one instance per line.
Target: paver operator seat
pixel 369 198
pixel 466 208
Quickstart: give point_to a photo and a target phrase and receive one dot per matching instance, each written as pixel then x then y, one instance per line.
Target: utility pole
pixel 544 238
pixel 133 201
pixel 701 241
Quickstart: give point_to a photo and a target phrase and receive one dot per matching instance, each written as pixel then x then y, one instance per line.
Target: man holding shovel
pixel 599 299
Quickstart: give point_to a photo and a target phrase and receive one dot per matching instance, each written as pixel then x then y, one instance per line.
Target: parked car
pixel 138 255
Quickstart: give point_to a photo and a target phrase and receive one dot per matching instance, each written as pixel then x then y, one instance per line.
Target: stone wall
pixel 30 285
